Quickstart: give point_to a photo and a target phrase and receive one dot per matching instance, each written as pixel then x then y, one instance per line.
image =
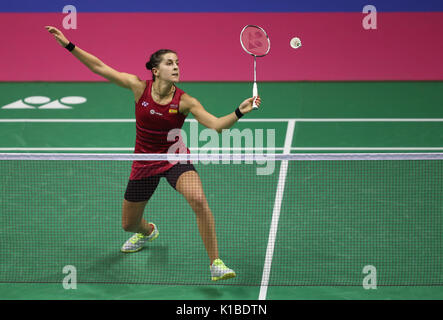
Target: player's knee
pixel 197 199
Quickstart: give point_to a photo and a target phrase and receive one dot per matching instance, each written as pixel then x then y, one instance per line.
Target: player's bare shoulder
pixel 138 86
pixel 187 102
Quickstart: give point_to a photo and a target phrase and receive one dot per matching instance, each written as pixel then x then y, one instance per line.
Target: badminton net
pixel 336 214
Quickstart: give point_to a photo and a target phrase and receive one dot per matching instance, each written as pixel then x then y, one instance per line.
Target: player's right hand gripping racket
pixel 255 41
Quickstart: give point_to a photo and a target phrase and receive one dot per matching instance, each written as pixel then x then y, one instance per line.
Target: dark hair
pixel 156 58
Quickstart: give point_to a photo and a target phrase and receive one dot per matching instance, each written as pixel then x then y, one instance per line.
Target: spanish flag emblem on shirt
pixel 173 110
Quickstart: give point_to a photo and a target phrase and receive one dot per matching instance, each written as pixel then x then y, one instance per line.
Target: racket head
pixel 255 41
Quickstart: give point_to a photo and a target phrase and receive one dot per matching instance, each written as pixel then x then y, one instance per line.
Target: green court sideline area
pixel 334 217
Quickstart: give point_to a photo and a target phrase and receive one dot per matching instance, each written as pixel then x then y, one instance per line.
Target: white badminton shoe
pixel 136 242
pixel 220 272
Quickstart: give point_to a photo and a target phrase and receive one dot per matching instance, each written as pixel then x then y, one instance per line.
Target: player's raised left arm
pixel 125 80
pixel 192 105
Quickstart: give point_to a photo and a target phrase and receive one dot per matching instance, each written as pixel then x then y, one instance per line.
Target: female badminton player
pixel 160 106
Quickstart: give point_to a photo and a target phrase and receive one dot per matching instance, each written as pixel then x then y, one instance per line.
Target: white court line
pixel 364 148
pixel 241 120
pixel 66 149
pixel 132 149
pixel 276 212
pixel 68 120
pixel 231 149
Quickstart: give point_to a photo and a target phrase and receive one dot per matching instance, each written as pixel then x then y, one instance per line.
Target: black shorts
pixel 142 190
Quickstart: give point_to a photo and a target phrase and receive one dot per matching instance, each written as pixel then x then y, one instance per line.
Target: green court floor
pixel 295 118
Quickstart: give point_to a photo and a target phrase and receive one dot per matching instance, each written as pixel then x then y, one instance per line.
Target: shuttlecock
pixel 295 43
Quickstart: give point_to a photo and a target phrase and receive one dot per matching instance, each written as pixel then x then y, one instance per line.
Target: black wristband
pixel 70 46
pixel 238 113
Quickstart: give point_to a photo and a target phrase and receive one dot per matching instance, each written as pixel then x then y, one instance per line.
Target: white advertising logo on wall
pixel 41 102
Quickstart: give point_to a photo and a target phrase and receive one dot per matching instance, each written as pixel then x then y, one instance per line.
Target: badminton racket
pixel 255 41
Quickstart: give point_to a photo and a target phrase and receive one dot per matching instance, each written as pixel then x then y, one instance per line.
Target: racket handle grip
pixel 255 95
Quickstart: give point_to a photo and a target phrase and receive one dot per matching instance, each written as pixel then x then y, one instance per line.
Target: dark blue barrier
pixel 222 5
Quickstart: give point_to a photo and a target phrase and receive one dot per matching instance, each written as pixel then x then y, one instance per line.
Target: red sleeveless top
pixel 154 122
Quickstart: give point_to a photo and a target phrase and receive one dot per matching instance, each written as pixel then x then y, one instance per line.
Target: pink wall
pixel 406 46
